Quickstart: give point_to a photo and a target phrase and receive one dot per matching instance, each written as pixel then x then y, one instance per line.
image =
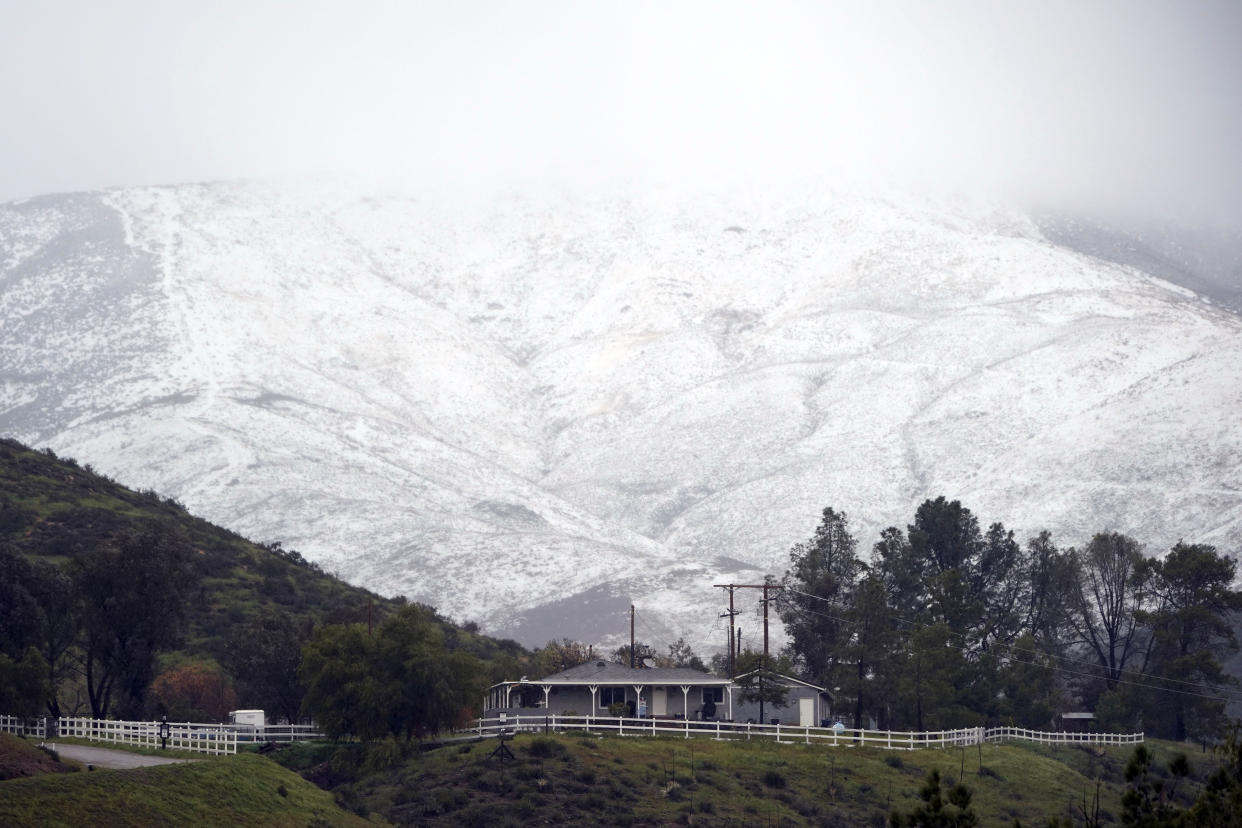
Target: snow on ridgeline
pixel 563 403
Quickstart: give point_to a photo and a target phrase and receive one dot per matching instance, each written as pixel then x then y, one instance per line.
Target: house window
pixel 713 694
pixel 611 695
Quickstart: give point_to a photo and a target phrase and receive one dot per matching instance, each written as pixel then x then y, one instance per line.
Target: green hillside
pixel 584 779
pixel 235 790
pixel 52 509
pixel 246 607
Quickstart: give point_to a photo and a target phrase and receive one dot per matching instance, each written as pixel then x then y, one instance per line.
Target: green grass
pixel 589 780
pixel 142 750
pixel 235 790
pixel 20 757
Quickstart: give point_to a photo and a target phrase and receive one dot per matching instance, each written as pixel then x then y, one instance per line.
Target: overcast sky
pixel 1123 104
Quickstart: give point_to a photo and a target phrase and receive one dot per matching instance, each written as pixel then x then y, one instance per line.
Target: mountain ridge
pixel 534 404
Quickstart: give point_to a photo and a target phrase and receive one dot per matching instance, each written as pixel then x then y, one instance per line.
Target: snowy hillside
pixel 532 411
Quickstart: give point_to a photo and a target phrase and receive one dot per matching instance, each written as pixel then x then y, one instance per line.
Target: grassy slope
pixel 237 790
pixel 584 780
pixel 19 758
pixel 51 509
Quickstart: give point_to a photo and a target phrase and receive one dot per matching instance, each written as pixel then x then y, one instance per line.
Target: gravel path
pixel 104 758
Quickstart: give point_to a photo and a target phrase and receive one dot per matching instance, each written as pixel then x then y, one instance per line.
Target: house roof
pixel 603 672
pixel 787 680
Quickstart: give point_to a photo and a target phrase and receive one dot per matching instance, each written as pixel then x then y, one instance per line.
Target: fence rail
pixel 192 736
pixel 276 733
pixel 20 726
pixel 893 740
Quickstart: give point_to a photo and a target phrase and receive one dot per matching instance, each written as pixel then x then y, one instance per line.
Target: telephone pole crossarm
pixel 732 612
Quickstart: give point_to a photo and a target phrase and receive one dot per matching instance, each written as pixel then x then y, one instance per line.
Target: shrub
pixel 894 762
pixel 774 779
pixel 543 747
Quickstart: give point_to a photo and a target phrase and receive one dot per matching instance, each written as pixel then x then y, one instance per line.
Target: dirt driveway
pixel 104 758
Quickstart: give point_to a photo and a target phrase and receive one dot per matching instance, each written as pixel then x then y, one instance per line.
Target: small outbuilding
pixel 806 704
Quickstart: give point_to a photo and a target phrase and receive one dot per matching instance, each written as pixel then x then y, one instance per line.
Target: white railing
pixel 276 733
pixel 191 736
pixel 847 737
pixel 21 726
pixel 1001 734
pixel 198 737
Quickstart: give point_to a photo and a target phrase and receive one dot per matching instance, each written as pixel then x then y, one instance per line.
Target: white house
pixel 590 689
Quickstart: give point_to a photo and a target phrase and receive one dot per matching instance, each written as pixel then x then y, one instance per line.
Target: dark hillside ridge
pixel 53 509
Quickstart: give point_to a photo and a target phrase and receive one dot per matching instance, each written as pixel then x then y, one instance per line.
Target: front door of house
pixel 659 702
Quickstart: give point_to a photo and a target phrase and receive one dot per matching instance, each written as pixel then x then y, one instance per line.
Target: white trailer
pixel 252 718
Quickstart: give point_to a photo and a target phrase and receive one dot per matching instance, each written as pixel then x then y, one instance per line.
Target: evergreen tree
pixel 935 812
pixel 1000 585
pixel 945 538
pixel 1052 581
pixel 871 651
pixel 1192 605
pixel 817 594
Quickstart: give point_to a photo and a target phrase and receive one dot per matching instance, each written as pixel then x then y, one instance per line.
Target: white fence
pixel 192 736
pixel 21 726
pixel 199 738
pixel 893 740
pixel 276 733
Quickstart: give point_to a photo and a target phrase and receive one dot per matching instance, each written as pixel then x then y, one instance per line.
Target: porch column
pixel 730 691
pixel 508 691
pixel 638 702
pixel 685 704
pixel 593 688
pixel 546 689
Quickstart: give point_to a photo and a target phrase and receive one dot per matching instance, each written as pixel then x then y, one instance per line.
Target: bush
pixel 774 779
pixel 542 747
pixel 894 762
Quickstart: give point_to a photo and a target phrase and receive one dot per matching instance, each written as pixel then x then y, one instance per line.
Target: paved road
pixel 104 758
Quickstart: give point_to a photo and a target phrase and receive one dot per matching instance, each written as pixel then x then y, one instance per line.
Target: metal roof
pixel 788 680
pixel 604 672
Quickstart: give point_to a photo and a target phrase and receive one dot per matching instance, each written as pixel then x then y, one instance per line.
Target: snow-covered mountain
pixel 530 411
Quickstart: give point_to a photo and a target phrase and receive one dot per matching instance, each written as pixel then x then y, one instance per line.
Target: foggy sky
pixel 1133 106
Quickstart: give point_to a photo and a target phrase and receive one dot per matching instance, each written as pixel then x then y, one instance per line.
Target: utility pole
pixel 631 636
pixel 765 587
pixel 732 612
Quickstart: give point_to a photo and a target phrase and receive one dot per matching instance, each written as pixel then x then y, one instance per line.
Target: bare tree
pixel 1108 600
